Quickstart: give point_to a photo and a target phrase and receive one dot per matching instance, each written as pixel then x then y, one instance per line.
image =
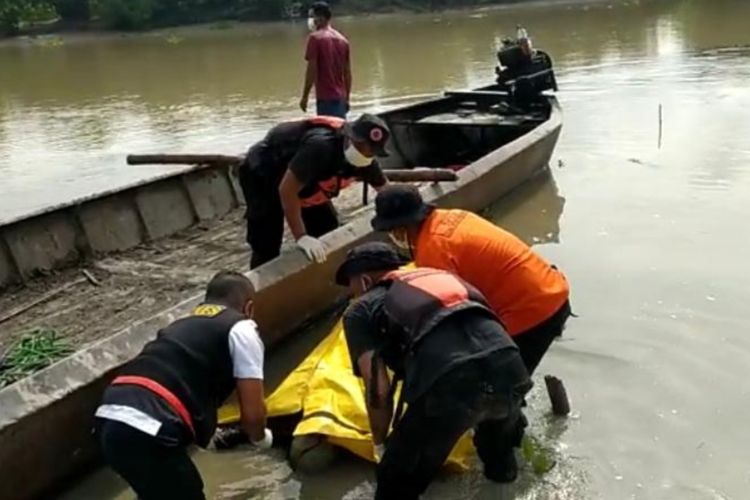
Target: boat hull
pixel 45 420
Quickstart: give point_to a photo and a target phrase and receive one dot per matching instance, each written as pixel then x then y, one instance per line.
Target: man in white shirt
pixel 166 398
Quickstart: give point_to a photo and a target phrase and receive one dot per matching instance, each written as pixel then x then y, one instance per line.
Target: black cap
pixel 372 256
pixel 370 129
pixel 399 205
pixel 322 9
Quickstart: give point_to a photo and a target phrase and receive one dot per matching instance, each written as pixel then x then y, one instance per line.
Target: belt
pixel 161 391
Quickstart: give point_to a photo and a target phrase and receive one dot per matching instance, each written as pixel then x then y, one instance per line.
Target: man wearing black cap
pixel 295 171
pixel 460 370
pixel 528 295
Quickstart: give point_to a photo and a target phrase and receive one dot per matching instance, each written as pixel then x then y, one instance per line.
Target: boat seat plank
pixel 475 93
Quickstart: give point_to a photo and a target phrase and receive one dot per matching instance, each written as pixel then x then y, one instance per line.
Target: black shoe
pixel 505 471
pixel 227 438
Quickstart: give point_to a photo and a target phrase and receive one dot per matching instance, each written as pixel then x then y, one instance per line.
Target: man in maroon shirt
pixel 328 65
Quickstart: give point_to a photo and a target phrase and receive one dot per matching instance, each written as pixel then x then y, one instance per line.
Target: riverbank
pixel 144 15
pixel 98 26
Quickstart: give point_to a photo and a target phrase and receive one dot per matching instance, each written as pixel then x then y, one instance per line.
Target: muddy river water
pixel 655 240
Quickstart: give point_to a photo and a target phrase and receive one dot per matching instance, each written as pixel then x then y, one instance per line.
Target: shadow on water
pixel 532 211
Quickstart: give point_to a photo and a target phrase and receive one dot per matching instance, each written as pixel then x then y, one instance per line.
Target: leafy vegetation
pixel 14 13
pixel 72 10
pixel 145 14
pixel 537 455
pixel 37 349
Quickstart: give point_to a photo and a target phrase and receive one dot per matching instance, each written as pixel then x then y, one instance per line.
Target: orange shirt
pixel 521 287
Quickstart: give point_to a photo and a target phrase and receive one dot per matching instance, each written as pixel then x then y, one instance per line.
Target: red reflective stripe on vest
pixel 328 188
pixel 444 286
pixel 161 391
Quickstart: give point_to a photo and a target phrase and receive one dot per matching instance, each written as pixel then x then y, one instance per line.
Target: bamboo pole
pixel 168 159
pixel 395 175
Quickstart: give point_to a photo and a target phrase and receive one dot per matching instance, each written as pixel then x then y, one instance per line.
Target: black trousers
pixel 153 470
pixel 265 216
pixel 534 343
pixel 483 394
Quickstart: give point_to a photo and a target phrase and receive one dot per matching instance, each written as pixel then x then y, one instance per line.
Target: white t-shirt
pixel 246 349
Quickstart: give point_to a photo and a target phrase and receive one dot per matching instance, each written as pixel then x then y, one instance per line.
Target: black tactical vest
pixel 191 359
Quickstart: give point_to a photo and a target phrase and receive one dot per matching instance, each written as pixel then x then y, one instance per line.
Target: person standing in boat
pixel 295 171
pixel 166 398
pixel 529 295
pixel 328 65
pixel 460 370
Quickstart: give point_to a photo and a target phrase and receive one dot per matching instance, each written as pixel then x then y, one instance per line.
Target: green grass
pixel 37 349
pixel 222 25
pixel 49 41
pixel 539 456
pixel 173 39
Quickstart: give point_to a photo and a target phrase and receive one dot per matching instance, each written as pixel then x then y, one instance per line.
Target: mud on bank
pixel 137 283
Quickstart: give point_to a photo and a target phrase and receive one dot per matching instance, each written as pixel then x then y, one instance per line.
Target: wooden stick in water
pixel 558 396
pixel 660 125
pixel 396 175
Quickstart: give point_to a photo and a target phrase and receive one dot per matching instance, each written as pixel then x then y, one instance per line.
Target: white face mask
pixel 355 158
pixel 401 242
pixel 311 24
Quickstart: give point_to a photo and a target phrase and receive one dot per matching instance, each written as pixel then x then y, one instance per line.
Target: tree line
pixel 18 15
pixel 15 15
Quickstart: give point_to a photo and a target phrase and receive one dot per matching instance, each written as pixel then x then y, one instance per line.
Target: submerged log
pixel 395 175
pixel 558 396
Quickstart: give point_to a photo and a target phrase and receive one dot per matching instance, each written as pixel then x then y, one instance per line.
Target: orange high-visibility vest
pixel 331 187
pixel 520 286
pixel 417 300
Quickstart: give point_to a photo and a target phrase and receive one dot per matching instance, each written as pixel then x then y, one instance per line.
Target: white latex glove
pixel 266 442
pixel 378 451
pixel 313 248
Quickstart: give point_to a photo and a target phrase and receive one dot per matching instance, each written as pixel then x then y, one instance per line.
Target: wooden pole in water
pixel 396 175
pixel 660 125
pixel 558 396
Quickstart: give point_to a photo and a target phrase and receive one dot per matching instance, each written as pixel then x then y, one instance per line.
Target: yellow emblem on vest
pixel 209 310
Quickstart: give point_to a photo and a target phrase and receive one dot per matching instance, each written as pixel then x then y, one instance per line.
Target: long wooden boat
pixel 45 419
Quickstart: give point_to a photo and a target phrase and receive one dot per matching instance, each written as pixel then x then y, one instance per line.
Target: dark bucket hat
pixel 372 256
pixel 370 129
pixel 399 205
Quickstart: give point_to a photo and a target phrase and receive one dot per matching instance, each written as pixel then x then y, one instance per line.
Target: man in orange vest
pixel 529 295
pixel 459 367
pixel 295 171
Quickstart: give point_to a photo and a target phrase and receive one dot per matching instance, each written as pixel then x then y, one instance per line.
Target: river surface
pixel 655 240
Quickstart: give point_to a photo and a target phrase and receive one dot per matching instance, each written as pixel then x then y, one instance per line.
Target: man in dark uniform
pixel 295 171
pixel 460 370
pixel 166 398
